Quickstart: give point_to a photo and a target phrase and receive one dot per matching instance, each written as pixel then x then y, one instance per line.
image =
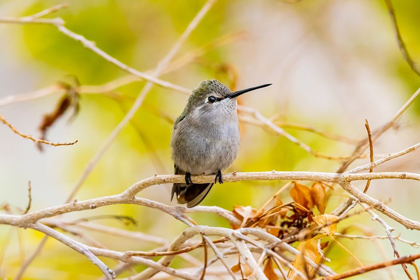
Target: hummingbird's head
pixel 213 97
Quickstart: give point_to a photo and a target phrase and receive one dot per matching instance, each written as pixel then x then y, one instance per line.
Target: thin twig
pixel 314 130
pixel 29 198
pixel 264 122
pixel 171 253
pixel 219 255
pixel 29 260
pixel 384 159
pixel 374 237
pixel 365 269
pixel 59 24
pixel 47 11
pixel 370 153
pixel 125 80
pixel 5 245
pixel 34 139
pixel 120 232
pixel 79 247
pixel 388 231
pixel 31 95
pixel 361 147
pixel 205 259
pixel 406 55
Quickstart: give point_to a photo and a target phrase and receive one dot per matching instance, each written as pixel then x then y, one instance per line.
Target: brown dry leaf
pixel 319 196
pixel 324 245
pixel 229 72
pixel 270 217
pixel 69 100
pixel 265 221
pixel 278 202
pixel 327 219
pixel 302 194
pixel 310 250
pixel 235 268
pixel 273 231
pixel 269 271
pixel 246 269
pixel 243 214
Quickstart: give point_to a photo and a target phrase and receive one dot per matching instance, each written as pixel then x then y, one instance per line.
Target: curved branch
pixel 77 246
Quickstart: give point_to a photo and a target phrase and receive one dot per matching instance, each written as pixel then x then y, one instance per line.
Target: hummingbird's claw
pixel 218 177
pixel 188 180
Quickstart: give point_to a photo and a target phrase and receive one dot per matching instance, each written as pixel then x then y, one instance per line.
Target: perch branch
pixel 128 196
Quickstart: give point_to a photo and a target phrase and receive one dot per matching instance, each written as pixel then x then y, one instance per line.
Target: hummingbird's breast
pixel 205 146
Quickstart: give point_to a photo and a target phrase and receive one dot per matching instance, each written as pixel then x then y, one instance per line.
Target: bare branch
pixel 34 139
pixel 128 196
pixel 120 232
pixel 59 24
pixel 388 231
pixel 408 223
pixel 31 95
pixel 205 260
pixel 125 80
pixel 219 256
pixel 359 150
pixel 317 131
pixel 384 159
pixel 370 153
pixel 397 237
pixel 266 122
pixel 29 260
pixel 47 11
pixel 406 55
pixel 79 247
pixel 365 269
pixel 29 198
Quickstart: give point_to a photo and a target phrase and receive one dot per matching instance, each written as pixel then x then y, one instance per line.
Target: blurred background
pixel 332 64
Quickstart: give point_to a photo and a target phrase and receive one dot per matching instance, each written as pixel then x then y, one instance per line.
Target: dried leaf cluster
pixel 294 221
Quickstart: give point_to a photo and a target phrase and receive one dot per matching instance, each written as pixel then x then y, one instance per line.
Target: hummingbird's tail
pixel 192 194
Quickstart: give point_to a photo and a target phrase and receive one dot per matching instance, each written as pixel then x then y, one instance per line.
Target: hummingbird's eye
pixel 212 99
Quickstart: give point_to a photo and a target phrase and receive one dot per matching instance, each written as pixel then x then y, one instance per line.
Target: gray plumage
pixel 205 138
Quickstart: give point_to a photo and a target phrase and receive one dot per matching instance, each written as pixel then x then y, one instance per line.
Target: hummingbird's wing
pixel 192 194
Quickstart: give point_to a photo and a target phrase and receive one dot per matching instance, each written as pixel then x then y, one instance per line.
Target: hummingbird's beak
pixel 239 92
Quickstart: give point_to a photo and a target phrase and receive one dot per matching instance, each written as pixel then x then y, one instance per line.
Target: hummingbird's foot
pixel 188 178
pixel 219 177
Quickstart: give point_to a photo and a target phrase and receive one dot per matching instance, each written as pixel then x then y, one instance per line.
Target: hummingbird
pixel 205 138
